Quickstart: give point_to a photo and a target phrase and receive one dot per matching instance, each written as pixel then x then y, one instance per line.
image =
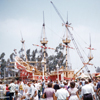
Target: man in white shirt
pixel 90 83
pixel 12 87
pixel 17 86
pixel 87 92
pixel 36 86
pixel 31 92
pixel 62 93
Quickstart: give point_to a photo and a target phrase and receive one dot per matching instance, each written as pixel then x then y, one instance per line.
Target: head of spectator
pixel 16 93
pixel 86 82
pixel 0 82
pixel 6 85
pixel 20 81
pixel 33 81
pixel 15 82
pixel 42 80
pixel 72 84
pixel 80 83
pixel 49 85
pixel 62 86
pixel 65 83
pixel 36 81
pixel 94 83
pixel 89 80
pixel 56 81
pixel 29 84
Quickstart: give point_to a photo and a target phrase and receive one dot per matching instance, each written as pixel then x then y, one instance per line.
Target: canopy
pixel 83 76
pixel 98 75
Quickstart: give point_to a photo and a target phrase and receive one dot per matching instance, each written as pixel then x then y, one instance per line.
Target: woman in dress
pixel 49 92
pixel 73 91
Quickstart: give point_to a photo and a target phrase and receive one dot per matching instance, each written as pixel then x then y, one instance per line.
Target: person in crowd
pixel 17 96
pixel 31 92
pixel 73 91
pixel 79 90
pixel 36 86
pixel 46 84
pixel 49 92
pixel 17 86
pixel 66 85
pixel 62 93
pixel 21 86
pixel 26 87
pixel 95 90
pixel 90 83
pixel 83 81
pixel 43 86
pixel 1 90
pixel 12 89
pixel 87 92
pixel 56 86
pixel 7 92
pixel 98 89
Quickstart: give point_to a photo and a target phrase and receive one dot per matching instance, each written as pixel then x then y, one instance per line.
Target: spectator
pixel 31 92
pixel 87 92
pixel 17 96
pixel 79 90
pixel 56 86
pixel 73 91
pixel 1 89
pixel 66 87
pixel 43 86
pixel 12 89
pixel 62 93
pixel 95 90
pixel 21 87
pixel 90 83
pixel 98 89
pixel 49 92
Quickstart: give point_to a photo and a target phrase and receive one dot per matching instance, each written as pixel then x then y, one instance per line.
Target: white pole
pixel 33 75
pixel 43 72
pixel 4 73
pixel 58 74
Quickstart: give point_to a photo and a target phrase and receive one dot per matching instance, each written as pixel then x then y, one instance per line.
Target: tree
pixel 28 54
pixel 8 62
pixel 12 57
pixel 2 55
pixel 3 63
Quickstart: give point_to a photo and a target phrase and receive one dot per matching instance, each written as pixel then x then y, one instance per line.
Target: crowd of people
pixel 51 90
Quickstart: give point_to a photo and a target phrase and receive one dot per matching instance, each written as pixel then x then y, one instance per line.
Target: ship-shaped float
pixel 31 72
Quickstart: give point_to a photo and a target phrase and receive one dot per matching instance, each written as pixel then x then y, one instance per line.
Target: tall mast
pixel 90 54
pixel 44 42
pixel 23 45
pixel 66 41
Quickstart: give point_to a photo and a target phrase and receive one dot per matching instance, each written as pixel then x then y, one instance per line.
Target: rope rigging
pixel 74 42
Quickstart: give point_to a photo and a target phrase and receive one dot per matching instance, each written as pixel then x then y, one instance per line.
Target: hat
pixel 62 85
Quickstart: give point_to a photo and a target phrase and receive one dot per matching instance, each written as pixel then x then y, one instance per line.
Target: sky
pixel 26 17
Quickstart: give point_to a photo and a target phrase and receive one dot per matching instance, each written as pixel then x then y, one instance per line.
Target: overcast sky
pixel 26 17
